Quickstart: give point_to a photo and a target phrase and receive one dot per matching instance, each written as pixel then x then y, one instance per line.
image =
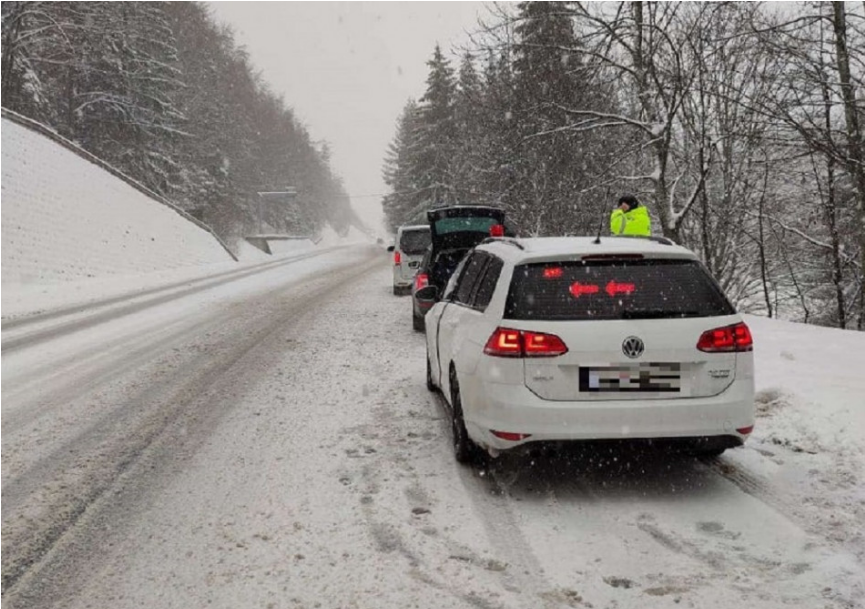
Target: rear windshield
pixel 457 225
pixel 633 289
pixel 414 242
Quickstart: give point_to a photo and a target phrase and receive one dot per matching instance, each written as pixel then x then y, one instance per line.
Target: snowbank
pixel 64 218
pixel 328 237
pixel 809 437
pixel 74 232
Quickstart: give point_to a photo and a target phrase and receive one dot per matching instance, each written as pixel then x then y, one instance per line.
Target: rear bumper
pixel 400 282
pixel 403 276
pixel 515 409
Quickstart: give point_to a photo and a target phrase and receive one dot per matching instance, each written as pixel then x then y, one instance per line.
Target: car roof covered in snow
pixel 539 249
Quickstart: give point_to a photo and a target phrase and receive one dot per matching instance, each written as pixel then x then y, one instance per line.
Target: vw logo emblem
pixel 633 347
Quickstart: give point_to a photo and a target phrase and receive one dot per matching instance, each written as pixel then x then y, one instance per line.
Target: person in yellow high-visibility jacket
pixel 630 218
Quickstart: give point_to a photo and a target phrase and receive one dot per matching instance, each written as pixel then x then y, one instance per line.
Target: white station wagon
pixel 564 339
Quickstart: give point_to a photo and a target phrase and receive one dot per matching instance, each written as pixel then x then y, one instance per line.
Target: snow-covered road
pixel 269 442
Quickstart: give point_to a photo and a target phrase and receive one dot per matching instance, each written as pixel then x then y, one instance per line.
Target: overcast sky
pixel 347 69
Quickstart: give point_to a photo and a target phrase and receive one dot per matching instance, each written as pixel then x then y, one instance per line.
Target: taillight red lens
pixel 537 344
pixel 421 280
pixel 727 339
pixel 397 257
pixel 505 342
pixel 497 230
pixel 553 272
pixel 510 436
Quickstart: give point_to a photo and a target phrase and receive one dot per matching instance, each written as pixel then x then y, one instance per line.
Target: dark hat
pixel 631 200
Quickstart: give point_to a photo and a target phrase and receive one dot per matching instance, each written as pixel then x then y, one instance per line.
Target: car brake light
pixel 397 257
pixel 537 344
pixel 505 342
pixel 745 430
pixel 421 280
pixel 510 436
pixel 553 272
pixel 497 230
pixel 733 338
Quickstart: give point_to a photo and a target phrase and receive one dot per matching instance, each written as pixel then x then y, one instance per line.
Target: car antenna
pixel 597 240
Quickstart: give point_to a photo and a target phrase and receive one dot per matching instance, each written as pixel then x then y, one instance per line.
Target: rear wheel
pixel 417 323
pixel 429 379
pixel 397 291
pixel 465 450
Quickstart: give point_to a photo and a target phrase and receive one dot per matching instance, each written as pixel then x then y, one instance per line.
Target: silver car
pixel 408 250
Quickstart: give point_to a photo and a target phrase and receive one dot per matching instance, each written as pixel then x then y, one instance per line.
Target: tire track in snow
pixel 56 502
pixel 132 304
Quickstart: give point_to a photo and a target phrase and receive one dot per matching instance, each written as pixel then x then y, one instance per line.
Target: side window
pixel 454 279
pixel 469 278
pixel 487 285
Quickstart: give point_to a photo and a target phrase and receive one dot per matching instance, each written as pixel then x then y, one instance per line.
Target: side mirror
pixel 390 248
pixel 428 294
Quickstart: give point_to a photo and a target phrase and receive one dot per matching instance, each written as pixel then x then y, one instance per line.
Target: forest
pixel 739 125
pixel 161 91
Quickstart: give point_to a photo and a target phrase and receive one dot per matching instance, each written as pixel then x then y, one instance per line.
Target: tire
pixel 429 380
pixel 465 450
pixel 418 323
pixel 397 291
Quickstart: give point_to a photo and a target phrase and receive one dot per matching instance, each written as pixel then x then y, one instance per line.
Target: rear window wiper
pixel 657 314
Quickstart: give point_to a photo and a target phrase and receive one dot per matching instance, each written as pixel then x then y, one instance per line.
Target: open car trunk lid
pixel 462 227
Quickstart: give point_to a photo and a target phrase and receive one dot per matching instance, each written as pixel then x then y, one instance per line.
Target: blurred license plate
pixel 642 377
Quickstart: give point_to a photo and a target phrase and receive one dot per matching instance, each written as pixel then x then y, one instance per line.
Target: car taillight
pixel 397 257
pixel 505 342
pixel 510 436
pixel 727 339
pixel 537 344
pixel 497 230
pixel 421 280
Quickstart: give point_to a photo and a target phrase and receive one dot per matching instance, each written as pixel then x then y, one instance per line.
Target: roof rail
pixel 656 239
pixel 508 240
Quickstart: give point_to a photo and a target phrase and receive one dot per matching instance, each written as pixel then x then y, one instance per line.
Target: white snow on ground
pixel 808 446
pixel 66 219
pixel 286 246
pixel 247 252
pixel 352 497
